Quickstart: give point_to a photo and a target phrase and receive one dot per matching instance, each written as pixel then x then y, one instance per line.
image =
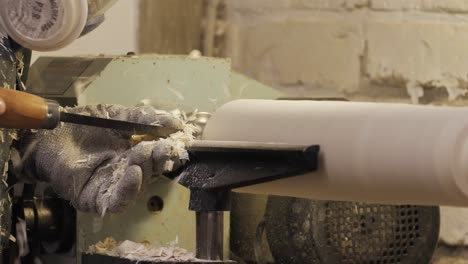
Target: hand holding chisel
pixel 97 170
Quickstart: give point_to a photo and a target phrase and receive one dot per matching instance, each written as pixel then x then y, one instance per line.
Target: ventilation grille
pixel 301 231
pixel 371 234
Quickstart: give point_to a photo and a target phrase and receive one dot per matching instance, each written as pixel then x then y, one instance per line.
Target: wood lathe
pixel 378 157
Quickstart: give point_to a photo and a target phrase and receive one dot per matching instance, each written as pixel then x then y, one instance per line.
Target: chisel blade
pixel 136 128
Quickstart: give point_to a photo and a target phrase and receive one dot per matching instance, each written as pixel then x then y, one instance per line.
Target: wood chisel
pixel 27 111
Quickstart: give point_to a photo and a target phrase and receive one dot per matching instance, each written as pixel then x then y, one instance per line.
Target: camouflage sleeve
pixel 8 80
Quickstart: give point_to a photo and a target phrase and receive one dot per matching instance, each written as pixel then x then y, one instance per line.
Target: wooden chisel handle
pixel 27 111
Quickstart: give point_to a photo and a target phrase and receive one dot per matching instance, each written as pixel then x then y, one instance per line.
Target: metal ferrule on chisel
pixel 52 115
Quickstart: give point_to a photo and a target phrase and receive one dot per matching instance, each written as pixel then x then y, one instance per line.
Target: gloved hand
pixel 98 170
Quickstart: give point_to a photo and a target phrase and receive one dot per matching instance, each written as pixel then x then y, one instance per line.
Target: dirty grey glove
pixel 98 170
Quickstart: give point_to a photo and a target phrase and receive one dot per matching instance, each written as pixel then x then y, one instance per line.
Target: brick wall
pixel 406 50
pixel 383 50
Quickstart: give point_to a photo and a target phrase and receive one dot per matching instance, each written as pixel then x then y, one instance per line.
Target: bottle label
pixel 37 19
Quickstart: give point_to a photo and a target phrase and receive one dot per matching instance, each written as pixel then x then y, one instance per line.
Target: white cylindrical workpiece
pixel 372 152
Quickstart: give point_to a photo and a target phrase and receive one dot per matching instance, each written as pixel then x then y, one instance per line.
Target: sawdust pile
pixel 140 251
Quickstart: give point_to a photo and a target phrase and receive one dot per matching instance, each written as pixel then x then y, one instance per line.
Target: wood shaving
pixel 81 161
pixel 140 251
pixel 10 237
pixel 135 139
pixel 20 57
pixel 13 135
pixel 103 246
pixel 182 139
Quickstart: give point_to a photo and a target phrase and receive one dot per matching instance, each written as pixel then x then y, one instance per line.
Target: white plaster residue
pixel 195 54
pixel 455 92
pixel 452 86
pixel 415 91
pixel 453 228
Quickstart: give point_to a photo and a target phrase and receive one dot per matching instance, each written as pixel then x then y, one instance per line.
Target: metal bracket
pixel 217 167
pixel 230 165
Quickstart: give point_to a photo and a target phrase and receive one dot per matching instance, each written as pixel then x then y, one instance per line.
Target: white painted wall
pixel 117 35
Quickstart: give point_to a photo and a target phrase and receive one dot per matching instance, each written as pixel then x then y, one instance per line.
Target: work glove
pixel 101 170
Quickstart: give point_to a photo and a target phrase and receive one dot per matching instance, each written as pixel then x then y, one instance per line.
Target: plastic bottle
pixel 46 25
